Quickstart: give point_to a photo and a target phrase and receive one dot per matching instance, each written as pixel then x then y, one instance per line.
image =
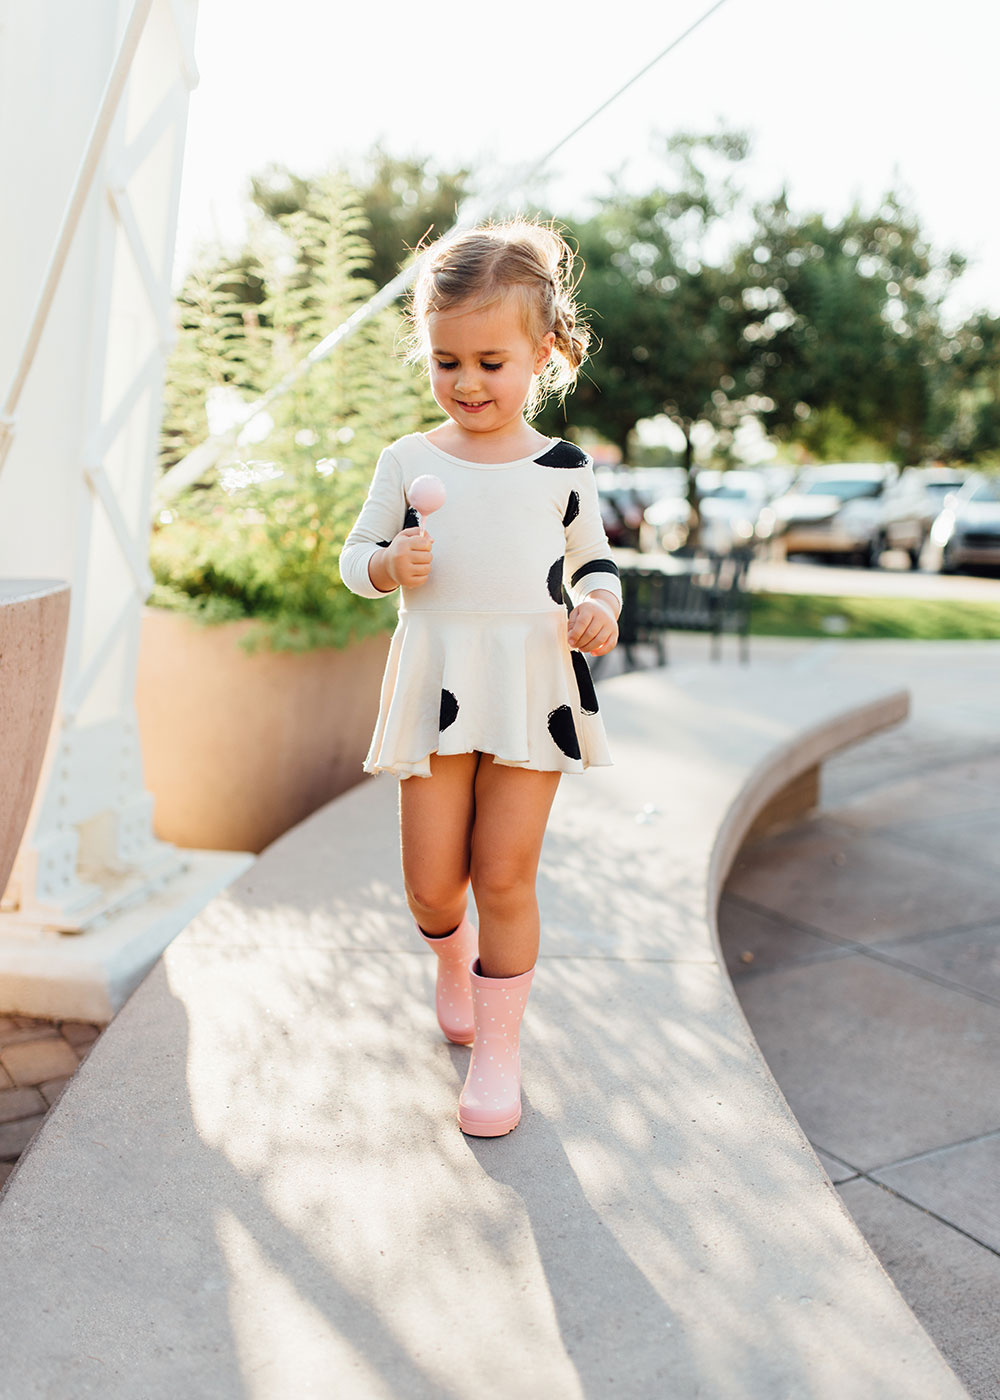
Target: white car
pixel 730 505
pixel 667 521
pixel 968 529
pixel 912 504
pixel 835 509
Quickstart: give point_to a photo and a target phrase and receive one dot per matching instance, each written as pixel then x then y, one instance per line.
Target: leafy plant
pixel 262 538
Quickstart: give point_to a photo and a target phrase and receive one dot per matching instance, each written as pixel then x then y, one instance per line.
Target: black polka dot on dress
pixel 563 731
pixel 555 579
pixel 584 684
pixel 572 508
pixel 449 709
pixel 563 454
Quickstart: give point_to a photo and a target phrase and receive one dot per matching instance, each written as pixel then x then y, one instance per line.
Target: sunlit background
pixel 843 100
pixel 794 440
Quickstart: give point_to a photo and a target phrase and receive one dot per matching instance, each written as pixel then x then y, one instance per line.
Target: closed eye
pixel 453 364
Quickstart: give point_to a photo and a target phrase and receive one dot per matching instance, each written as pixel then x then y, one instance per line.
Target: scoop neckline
pixel 488 466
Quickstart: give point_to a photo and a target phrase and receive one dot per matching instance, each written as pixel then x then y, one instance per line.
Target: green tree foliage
pixel 226 335
pixel 263 538
pixel 219 346
pixel 406 200
pixel 842 327
pixel 967 417
pixel 828 331
pixel 668 340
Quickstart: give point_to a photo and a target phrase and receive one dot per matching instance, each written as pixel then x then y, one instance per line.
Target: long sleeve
pixel 382 517
pixel 589 564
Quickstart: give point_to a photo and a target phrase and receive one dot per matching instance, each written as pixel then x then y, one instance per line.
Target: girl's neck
pixel 488 448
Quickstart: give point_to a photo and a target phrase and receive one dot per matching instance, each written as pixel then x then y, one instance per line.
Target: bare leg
pixel 512 808
pixel 435 826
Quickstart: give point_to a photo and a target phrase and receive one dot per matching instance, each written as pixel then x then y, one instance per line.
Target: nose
pixel 466 379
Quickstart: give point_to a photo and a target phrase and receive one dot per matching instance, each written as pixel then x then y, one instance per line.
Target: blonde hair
pixel 521 258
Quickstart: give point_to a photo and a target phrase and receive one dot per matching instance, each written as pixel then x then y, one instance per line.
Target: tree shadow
pixel 611 1319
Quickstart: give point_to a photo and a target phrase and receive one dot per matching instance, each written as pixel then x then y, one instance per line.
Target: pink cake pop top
pixel 426 494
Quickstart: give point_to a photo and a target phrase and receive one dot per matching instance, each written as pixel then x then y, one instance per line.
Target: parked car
pixel 730 504
pixel 835 509
pixel 912 504
pixel 667 520
pixel 968 529
pixel 623 497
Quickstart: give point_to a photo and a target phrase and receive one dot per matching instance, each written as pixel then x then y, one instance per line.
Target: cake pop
pixel 426 494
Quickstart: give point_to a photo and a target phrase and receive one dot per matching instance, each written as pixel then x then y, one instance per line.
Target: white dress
pixel 480 660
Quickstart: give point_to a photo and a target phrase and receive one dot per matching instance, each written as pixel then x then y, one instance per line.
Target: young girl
pixel 486 698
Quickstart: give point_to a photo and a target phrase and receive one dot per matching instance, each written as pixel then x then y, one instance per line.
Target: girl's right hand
pixel 408 558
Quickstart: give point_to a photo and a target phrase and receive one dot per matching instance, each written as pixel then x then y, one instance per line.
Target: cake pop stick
pixel 426 494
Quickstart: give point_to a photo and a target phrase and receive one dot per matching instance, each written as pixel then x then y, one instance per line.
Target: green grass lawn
pixel 924 619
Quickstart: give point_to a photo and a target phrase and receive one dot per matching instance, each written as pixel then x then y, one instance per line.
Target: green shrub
pixel 262 536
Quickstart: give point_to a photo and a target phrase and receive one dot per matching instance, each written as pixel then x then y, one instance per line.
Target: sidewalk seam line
pixel 873 950
pixel 926 1210
pixel 914 1157
pixel 428 955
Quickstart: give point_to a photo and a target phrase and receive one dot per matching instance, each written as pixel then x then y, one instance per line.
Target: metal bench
pixel 709 596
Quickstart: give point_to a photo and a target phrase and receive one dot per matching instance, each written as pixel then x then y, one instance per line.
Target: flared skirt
pixel 497 683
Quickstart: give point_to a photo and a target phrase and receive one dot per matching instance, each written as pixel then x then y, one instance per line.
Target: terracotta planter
pixel 33 617
pixel 237 748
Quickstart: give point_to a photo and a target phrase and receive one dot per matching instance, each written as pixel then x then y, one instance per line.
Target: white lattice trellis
pixel 75 492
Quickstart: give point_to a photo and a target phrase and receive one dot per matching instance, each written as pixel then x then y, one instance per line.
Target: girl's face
pixel 481 366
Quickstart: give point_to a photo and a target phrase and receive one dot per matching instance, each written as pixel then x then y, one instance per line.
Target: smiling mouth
pixel 465 404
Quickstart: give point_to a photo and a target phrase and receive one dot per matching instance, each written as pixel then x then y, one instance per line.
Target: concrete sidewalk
pixel 262 1190
pixel 865 949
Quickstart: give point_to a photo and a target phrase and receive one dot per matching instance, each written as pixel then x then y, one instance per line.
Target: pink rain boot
pixel 453 996
pixel 490 1103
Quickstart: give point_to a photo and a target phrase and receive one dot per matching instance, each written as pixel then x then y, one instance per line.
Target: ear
pixel 544 351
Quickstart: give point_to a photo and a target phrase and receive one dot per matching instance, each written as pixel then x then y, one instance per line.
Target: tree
pixel 967 398
pixel 842 326
pixel 263 537
pixel 662 311
pixel 668 340
pixel 405 200
pixel 226 308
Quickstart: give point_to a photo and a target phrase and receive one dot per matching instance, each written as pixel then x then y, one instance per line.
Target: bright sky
pixel 844 98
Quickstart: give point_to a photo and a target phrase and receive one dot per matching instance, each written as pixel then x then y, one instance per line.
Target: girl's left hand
pixel 592 627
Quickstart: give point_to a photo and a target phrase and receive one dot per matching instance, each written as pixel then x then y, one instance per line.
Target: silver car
pixel 835 509
pixel 912 504
pixel 667 522
pixel 730 504
pixel 968 529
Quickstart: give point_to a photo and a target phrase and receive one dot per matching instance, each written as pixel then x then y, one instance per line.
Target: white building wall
pixel 75 489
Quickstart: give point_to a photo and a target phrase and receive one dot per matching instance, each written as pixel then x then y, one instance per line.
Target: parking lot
pixel 856 529
pixel 895 579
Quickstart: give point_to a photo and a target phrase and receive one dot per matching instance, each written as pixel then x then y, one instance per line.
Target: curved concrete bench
pixel 255 1186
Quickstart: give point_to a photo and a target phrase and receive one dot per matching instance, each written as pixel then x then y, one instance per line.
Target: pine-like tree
pixel 262 538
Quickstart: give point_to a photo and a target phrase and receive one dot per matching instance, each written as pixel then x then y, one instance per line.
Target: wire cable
pixel 539 165
pixel 201 458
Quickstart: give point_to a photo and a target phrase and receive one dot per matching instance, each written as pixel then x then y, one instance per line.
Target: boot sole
pixel 498 1129
pixel 455 1040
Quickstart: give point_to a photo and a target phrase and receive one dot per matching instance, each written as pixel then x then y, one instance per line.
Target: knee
pixel 430 895
pixel 500 881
